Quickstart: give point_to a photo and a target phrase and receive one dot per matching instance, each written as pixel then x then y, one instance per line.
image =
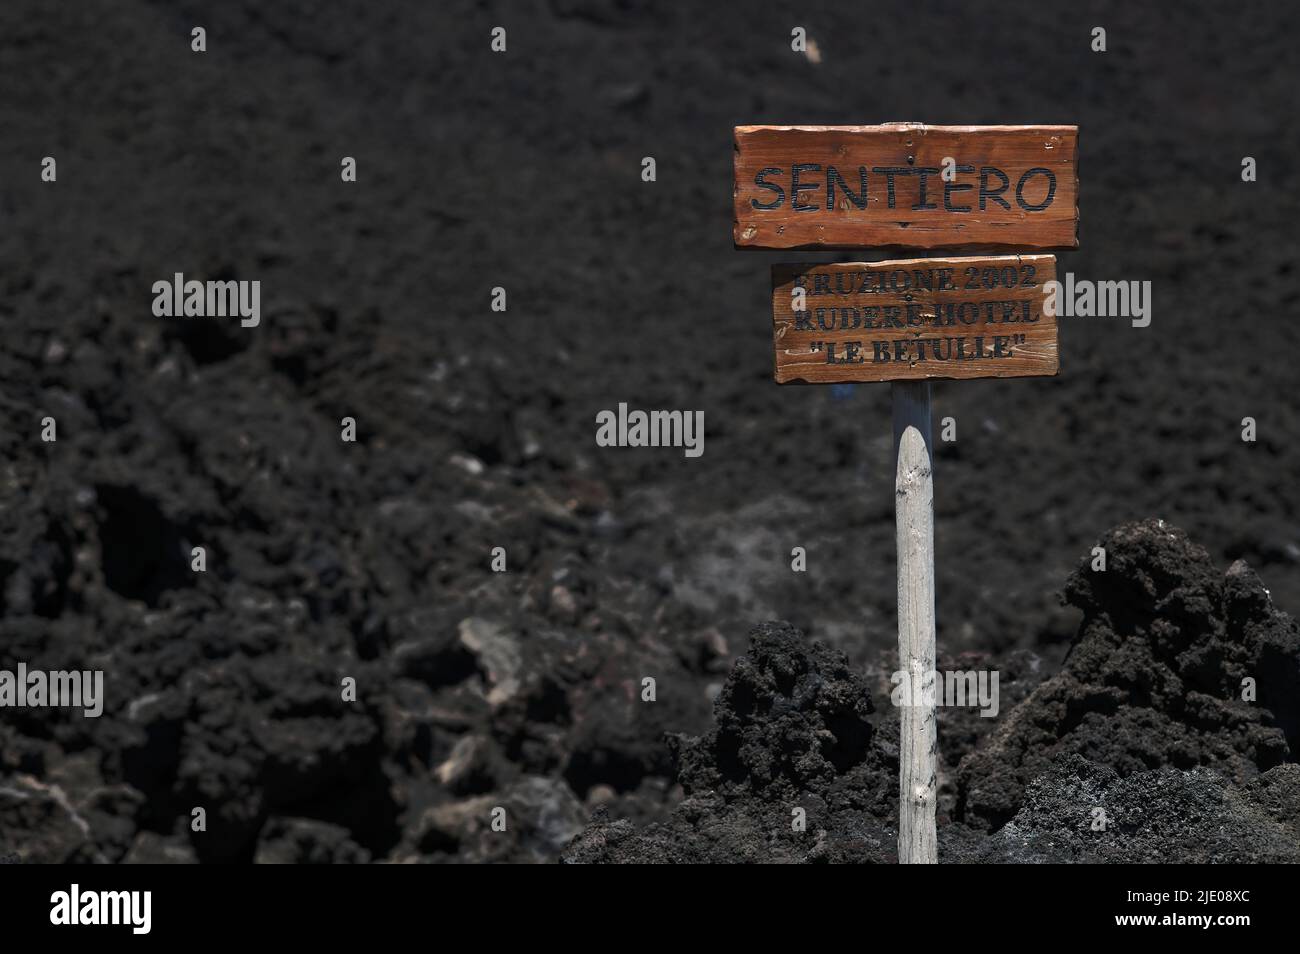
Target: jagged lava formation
pixel 1149 726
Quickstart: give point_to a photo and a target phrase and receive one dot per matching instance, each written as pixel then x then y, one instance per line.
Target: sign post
pixel 914 528
pixel 969 188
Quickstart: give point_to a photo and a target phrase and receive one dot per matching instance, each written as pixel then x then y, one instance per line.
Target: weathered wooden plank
pixel 1009 188
pixel 972 317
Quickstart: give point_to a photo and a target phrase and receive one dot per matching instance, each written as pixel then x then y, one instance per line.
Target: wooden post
pixel 914 518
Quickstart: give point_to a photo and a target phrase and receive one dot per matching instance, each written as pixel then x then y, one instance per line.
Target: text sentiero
pixel 916 319
pixel 906 185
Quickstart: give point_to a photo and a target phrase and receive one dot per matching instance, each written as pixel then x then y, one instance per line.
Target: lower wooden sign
pixel 915 319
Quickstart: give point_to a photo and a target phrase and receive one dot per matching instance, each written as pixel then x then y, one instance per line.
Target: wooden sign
pixel 907 185
pixel 977 188
pixel 913 320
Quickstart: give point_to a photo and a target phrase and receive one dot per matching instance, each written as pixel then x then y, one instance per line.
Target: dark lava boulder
pixel 1168 735
pixel 1084 812
pixel 792 740
pixel 1175 665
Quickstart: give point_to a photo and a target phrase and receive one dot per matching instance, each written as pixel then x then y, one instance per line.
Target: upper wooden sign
pixel 906 185
pixel 914 319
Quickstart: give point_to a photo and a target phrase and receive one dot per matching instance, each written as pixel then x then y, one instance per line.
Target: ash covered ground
pixel 521 690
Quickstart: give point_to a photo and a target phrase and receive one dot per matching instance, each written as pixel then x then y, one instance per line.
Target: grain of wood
pixel 980 317
pixel 914 524
pixel 1012 187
